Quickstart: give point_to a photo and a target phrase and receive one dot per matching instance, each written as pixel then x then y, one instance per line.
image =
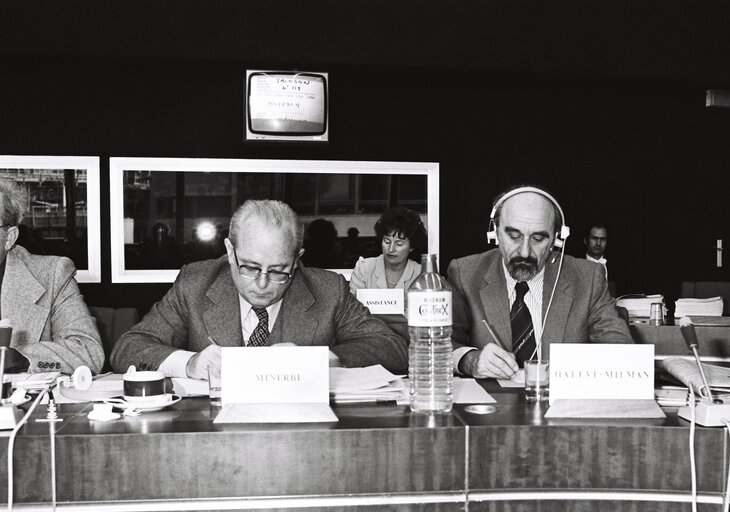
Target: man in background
pixel 595 241
pixel 510 301
pixel 52 328
pixel 258 294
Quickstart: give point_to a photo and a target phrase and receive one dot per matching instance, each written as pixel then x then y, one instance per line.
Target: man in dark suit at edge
pixel 258 294
pixel 502 296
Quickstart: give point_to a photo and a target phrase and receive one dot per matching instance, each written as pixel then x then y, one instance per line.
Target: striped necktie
pixel 260 334
pixel 523 333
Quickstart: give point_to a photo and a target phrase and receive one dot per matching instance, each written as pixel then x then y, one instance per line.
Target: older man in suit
pixel 258 294
pixel 52 328
pixel 503 298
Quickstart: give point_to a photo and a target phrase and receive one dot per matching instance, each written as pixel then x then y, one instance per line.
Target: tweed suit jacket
pixel 317 309
pixel 52 327
pixel 581 311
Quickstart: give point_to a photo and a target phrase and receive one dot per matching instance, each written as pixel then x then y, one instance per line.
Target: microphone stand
pixel 709 412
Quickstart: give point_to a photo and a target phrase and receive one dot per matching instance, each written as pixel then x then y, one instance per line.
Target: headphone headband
pixel 559 237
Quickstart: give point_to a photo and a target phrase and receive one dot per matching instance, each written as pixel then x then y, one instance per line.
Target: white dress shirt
pixel 533 301
pixel 176 363
pixel 600 260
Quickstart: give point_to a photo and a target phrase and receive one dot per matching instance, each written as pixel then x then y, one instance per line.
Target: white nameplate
pixel 382 301
pixel 601 371
pixel 271 375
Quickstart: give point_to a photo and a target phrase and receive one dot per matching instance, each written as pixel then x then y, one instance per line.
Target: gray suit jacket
pixel 317 309
pixel 581 311
pixel 52 327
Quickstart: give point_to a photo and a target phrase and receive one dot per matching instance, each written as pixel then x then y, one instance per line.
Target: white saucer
pixel 155 404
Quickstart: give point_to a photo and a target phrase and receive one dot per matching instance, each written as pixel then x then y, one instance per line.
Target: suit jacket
pixel 370 273
pixel 581 311
pixel 52 327
pixel 317 309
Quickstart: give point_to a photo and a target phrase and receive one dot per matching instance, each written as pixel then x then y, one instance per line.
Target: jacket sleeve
pixel 604 323
pixel 74 339
pixel 357 278
pixel 362 339
pixel 161 332
pixel 459 308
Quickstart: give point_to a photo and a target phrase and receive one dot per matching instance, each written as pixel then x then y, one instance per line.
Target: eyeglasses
pixel 250 272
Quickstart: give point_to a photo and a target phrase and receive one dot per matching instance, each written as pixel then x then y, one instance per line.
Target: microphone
pixel 690 338
pixel 712 412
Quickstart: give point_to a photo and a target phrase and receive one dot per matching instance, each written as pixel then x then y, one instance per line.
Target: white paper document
pixel 517 381
pixel 466 391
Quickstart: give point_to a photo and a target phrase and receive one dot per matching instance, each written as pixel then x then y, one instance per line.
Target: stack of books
pixel 698 307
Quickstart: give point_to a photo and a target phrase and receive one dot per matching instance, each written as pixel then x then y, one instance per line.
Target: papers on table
pixel 639 305
pixel 672 396
pixel 369 384
pixel 33 380
pixel 518 381
pixel 376 384
pixel 101 388
pixel 701 307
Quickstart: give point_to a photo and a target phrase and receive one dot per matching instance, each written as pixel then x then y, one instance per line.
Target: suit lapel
pixel 494 296
pixel 295 324
pixel 223 318
pixel 20 292
pixel 557 317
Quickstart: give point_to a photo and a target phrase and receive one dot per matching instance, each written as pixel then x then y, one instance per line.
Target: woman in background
pixel 402 235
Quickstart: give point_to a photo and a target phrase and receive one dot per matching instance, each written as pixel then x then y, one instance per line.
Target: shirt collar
pixel 272 310
pixel 601 260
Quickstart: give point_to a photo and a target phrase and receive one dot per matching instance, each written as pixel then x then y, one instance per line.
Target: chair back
pixel 112 323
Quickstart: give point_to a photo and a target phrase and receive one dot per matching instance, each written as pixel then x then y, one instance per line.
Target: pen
pixel 212 341
pixel 484 321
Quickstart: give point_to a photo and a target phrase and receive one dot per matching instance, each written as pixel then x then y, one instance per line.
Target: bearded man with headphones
pixel 513 301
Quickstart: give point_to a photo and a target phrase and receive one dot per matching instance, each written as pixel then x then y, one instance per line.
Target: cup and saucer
pixel 143 391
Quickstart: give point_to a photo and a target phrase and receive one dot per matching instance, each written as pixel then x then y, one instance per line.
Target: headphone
pixel 560 237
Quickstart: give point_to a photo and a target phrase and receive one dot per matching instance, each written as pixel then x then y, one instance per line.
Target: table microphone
pixel 690 338
pixel 711 412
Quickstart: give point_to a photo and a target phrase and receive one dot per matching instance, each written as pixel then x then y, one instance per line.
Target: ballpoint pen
pixel 484 321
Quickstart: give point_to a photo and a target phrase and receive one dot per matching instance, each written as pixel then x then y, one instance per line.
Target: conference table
pixel 376 457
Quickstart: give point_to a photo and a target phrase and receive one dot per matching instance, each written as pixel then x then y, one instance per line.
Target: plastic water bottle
pixel 430 368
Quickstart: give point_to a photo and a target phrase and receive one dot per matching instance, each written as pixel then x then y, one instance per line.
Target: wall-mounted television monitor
pixel 289 106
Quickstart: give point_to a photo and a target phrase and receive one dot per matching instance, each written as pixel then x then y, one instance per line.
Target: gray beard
pixel 522 271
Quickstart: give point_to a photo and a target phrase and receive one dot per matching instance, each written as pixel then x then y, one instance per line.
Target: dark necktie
pixel 523 333
pixel 260 334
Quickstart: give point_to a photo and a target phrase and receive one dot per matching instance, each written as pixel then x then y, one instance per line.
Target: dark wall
pixel 632 146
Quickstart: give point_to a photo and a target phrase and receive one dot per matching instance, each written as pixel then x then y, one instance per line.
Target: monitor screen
pixel 286 106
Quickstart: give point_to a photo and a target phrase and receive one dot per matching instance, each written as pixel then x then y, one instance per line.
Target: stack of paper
pixel 31 381
pixel 701 307
pixel 639 305
pixel 370 384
